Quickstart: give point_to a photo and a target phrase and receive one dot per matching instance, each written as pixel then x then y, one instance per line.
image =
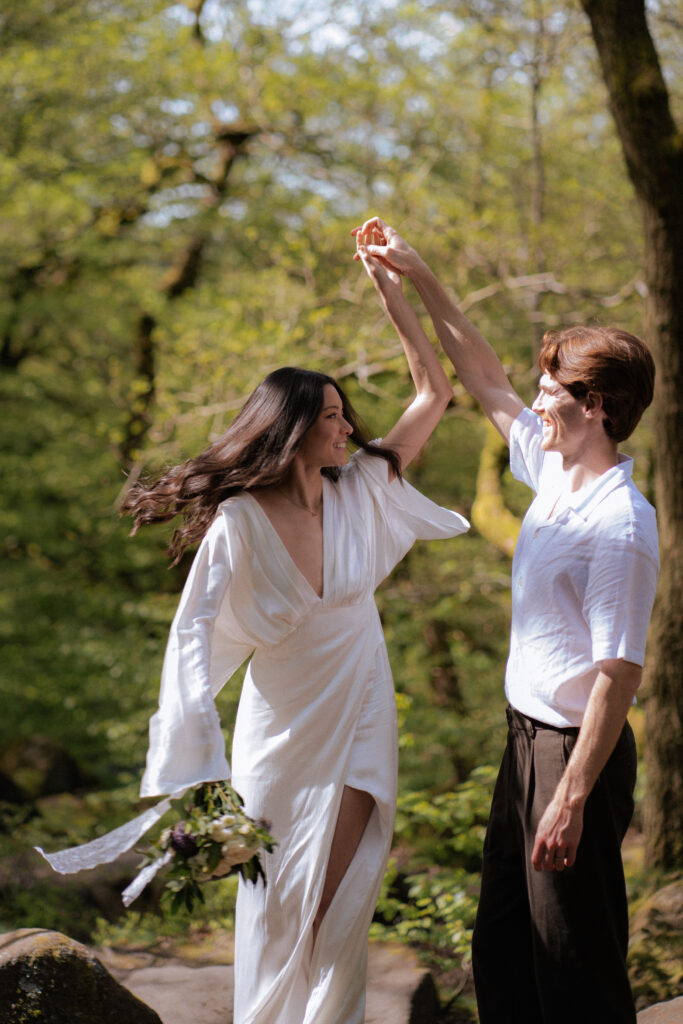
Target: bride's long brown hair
pixel 256 450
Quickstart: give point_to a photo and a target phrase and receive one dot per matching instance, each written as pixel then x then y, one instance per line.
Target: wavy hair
pixel 256 450
pixel 608 362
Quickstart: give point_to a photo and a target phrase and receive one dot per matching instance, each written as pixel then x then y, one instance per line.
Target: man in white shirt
pixel 552 925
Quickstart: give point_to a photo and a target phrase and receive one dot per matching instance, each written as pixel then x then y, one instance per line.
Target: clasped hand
pixel 379 240
pixel 386 279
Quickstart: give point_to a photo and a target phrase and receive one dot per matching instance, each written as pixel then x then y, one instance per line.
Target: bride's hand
pixel 386 280
pixel 386 245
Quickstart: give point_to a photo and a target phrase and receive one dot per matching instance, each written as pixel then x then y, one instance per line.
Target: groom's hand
pixel 385 244
pixel 557 836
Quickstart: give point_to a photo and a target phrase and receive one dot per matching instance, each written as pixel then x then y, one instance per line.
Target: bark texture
pixel 653 151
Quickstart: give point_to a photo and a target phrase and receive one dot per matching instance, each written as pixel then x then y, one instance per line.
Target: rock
pixel 179 993
pixel 663 1013
pixel 46 976
pixel 424 1003
pixel 40 766
pixel 399 990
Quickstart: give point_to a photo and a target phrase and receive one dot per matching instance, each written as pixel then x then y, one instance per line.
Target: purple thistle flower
pixel 183 842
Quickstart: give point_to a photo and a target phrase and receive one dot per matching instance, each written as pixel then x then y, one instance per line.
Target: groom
pixel 552 925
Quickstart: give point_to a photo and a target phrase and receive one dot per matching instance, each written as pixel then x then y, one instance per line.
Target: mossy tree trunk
pixel 653 150
pixel 230 143
pixel 490 514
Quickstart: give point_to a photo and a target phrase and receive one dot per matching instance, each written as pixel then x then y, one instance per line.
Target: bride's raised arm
pixel 432 388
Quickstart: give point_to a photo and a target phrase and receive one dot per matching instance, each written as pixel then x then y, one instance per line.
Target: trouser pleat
pixel 551 946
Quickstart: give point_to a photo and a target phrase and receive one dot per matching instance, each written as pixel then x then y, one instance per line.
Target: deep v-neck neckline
pixel 285 549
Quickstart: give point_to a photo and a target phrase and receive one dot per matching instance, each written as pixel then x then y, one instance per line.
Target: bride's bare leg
pixel 354 814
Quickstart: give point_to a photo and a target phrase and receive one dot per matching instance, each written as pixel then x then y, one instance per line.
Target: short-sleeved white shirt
pixel 583 580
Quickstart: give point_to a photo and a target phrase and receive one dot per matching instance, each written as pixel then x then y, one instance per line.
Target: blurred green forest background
pixel 177 187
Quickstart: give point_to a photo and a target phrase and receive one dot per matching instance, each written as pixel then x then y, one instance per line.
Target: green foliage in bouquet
pixel 214 838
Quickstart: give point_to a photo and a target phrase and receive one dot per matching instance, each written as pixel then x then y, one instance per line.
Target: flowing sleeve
pixel 205 647
pixel 401 513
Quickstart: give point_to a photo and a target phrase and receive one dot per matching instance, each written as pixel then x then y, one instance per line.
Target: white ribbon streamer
pixel 107 848
pixel 144 877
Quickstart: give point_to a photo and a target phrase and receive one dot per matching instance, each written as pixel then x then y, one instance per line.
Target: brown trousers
pixel 551 946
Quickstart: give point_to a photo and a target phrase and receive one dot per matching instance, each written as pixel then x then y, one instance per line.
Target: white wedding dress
pixel 317 712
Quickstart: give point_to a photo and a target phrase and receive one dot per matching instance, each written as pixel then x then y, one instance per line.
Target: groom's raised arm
pixel 476 364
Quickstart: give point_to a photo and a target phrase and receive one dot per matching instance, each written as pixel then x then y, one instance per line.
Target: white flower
pixel 217 832
pixel 237 851
pixel 224 827
pixel 232 834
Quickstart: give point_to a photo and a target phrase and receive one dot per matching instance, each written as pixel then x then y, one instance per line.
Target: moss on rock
pixel 46 976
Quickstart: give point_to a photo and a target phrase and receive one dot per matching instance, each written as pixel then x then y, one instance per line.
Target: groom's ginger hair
pixel 603 361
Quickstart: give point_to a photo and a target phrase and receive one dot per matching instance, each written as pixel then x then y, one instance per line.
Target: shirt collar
pixel 588 498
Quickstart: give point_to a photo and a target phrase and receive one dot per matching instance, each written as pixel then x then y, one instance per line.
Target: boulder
pixel 399 990
pixel 46 976
pixel 670 1012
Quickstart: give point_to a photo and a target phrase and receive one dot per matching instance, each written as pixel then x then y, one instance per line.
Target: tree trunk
pixel 181 276
pixel 137 421
pixel 490 514
pixel 443 673
pixel 230 141
pixel 654 157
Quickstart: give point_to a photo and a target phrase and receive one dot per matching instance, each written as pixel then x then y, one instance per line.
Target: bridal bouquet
pixel 213 839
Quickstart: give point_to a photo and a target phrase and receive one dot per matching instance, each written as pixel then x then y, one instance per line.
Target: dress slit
pixel 338 836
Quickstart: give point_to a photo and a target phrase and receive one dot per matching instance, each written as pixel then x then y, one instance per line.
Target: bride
pixel 295 537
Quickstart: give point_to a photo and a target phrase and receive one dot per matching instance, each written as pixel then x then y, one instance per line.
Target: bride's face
pixel 324 443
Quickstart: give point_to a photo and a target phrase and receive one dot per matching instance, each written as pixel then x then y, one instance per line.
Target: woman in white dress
pixel 296 537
